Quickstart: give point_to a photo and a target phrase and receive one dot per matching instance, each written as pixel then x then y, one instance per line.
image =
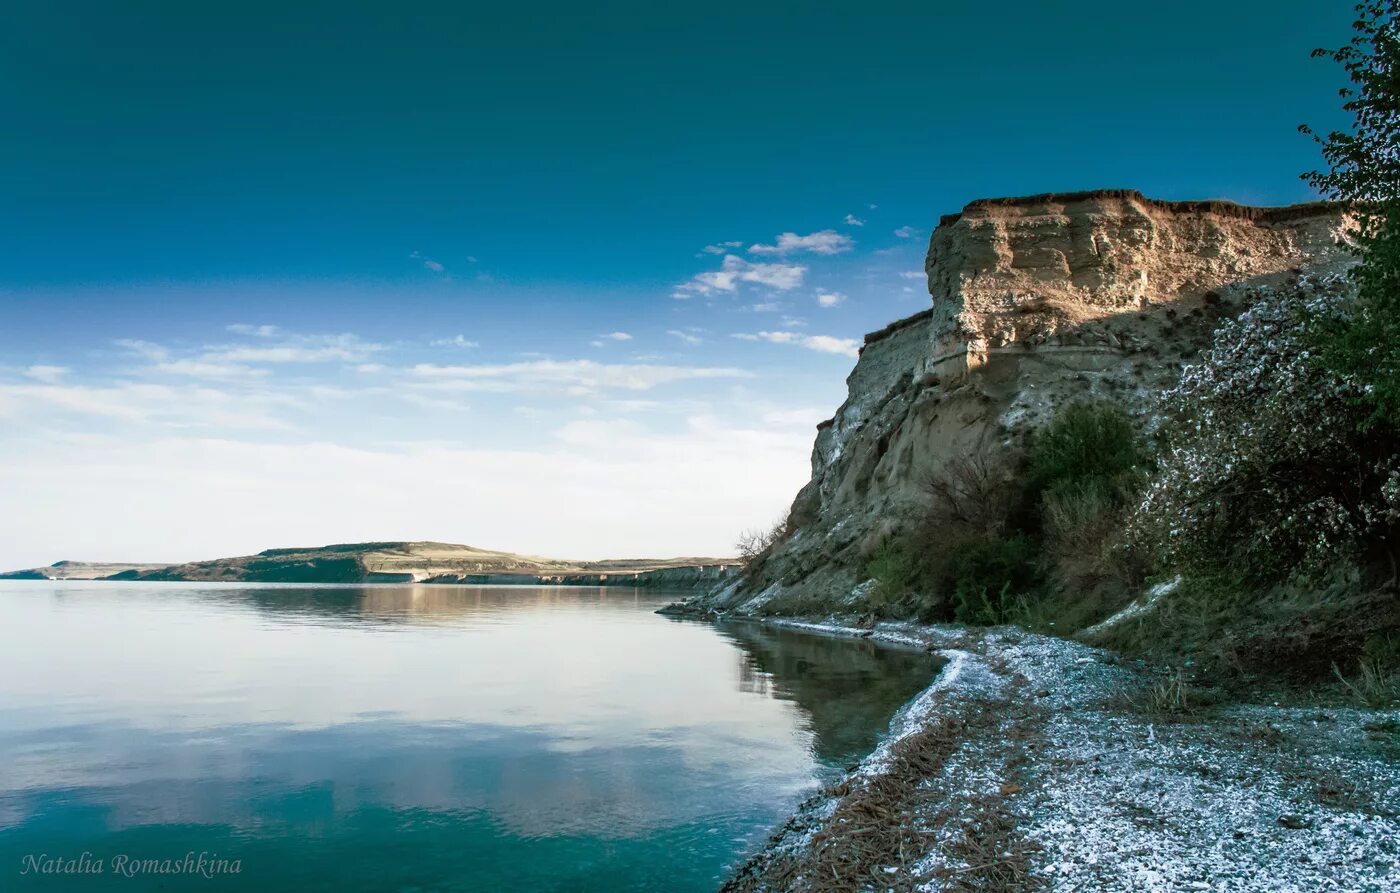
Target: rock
pixel 1292 822
pixel 1079 290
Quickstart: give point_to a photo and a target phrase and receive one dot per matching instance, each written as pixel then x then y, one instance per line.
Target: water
pixel 410 738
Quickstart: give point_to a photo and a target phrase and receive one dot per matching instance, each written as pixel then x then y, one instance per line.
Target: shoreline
pixel 1031 762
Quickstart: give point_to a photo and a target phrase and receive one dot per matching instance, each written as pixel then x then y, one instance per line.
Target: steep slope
pixel 1035 301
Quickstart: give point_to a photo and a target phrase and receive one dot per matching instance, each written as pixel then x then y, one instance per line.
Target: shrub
pixel 979 491
pixel 1271 467
pixel 1090 444
pixel 1377 679
pixel 989 577
pixel 895 574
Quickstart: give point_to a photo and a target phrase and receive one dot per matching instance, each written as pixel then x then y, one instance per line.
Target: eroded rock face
pixel 1025 271
pixel 1035 302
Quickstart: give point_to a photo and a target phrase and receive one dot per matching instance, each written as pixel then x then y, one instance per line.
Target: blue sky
pixel 279 273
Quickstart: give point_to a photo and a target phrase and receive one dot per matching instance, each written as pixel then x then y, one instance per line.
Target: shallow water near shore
pixel 410 738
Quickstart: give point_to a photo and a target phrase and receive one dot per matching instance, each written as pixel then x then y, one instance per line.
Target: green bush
pixel 1090 444
pixel 895 574
pixel 990 577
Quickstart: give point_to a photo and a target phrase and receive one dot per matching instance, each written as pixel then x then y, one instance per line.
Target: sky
pixel 561 279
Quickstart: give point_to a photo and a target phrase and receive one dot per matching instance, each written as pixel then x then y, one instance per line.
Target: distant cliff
pixel 1035 301
pixel 405 562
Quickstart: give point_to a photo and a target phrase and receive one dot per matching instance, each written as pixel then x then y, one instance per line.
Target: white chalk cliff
pixel 1035 301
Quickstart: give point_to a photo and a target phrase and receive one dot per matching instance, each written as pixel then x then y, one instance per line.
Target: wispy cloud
pixel 913 274
pixel 428 262
pixel 826 241
pixel 853 220
pixel 455 341
pixel 734 270
pixel 210 370
pixel 907 232
pixel 172 406
pixel 722 247
pixel 46 374
pixel 296 349
pixel 259 331
pixel 821 343
pixel 685 337
pixel 830 298
pixel 568 376
pixel 144 349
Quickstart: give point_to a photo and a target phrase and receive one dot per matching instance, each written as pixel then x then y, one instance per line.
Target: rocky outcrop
pixel 1036 301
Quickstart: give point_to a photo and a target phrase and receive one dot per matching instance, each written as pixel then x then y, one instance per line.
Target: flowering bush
pixel 1272 466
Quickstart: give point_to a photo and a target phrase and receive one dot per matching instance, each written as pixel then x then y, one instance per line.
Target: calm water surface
pixel 412 738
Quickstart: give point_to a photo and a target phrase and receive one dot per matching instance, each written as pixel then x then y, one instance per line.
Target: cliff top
pixel 1222 207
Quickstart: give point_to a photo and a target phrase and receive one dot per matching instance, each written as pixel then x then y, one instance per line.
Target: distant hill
pixel 400 562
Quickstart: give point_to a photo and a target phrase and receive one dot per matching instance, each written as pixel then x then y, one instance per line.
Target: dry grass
pixel 872 828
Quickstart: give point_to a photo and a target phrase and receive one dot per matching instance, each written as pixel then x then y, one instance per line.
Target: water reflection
pixel 847 694
pixel 416 737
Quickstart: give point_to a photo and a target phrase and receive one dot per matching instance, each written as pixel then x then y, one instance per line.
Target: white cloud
pixel 827 241
pixel 907 232
pixel 830 298
pixel 767 307
pixel 172 406
pixel 617 336
pixel 201 369
pixel 455 341
pixel 296 349
pixel 913 274
pixel 429 263
pixel 734 270
pixel 821 343
pixel 722 247
pixel 576 377
pixel 46 374
pixel 685 337
pixel 853 220
pixel 144 349
pixel 259 331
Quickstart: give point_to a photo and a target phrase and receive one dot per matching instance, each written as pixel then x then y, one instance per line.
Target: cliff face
pixel 1035 301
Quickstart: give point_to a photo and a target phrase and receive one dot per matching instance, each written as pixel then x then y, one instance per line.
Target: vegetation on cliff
pixel 1245 517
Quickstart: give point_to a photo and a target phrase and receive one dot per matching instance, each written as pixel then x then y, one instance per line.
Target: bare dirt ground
pixel 1035 763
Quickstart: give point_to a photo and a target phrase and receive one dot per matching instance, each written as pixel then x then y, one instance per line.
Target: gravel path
pixel 1035 763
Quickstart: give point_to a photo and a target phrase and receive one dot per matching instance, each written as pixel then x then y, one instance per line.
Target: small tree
pixel 753 544
pixel 1364 168
pixel 1268 469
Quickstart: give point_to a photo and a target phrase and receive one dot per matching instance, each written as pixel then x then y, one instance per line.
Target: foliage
pixel 1092 444
pixel 977 491
pixel 989 577
pixel 1377 679
pixel 754 544
pixel 1364 168
pixel 895 575
pixel 1269 468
